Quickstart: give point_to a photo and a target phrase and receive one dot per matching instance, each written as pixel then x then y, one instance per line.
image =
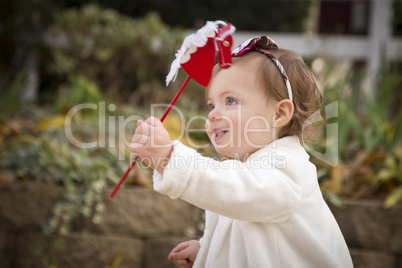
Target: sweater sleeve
pixel 245 191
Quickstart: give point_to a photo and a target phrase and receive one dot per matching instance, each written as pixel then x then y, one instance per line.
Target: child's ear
pixel 283 112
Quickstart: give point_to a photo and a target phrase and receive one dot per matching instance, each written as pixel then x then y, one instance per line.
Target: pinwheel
pixel 197 58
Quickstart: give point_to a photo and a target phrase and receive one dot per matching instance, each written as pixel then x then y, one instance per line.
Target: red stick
pixel 116 188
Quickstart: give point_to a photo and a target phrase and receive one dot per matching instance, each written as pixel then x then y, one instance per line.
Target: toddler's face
pixel 241 114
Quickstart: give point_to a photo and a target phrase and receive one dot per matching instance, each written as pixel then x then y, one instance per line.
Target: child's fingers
pixel 153 121
pixel 141 134
pixel 182 255
pixel 143 128
pixel 174 253
pixel 180 247
pixel 184 263
pixel 138 140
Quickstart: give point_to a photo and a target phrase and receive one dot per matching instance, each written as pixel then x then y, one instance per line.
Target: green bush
pixel 11 89
pixel 77 91
pixel 253 15
pixel 369 139
pixel 34 146
pixel 120 54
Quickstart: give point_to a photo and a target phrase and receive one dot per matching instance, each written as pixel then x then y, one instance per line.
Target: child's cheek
pixel 208 128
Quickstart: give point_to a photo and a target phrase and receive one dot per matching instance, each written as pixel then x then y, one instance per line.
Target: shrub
pixel 369 139
pixel 120 54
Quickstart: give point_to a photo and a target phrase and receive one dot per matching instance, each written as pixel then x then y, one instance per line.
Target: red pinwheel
pixel 197 57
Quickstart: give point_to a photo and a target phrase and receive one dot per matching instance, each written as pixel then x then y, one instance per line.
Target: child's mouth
pixel 219 134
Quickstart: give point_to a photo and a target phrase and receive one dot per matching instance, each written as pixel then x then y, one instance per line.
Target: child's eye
pixel 211 106
pixel 230 101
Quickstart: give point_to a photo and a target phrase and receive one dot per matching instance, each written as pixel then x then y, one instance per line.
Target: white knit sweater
pixel 265 212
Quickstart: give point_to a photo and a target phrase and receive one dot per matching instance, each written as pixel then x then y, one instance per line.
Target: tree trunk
pixel 27 37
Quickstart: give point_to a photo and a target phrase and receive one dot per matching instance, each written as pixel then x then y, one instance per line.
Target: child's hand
pixel 151 142
pixel 185 253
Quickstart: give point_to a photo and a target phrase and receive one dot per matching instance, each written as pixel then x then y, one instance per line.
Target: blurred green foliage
pixel 369 138
pixel 11 90
pixel 77 91
pixel 120 54
pixel 83 173
pixel 34 147
pixel 253 15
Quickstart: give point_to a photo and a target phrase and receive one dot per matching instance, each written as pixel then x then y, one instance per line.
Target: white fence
pixel 377 45
pixel 334 46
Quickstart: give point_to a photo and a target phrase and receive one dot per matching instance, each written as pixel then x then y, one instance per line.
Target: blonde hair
pixel 307 95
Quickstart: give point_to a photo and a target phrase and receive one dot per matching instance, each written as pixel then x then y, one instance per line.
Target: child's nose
pixel 213 115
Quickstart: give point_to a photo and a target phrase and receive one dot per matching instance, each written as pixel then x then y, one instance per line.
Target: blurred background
pixel 115 55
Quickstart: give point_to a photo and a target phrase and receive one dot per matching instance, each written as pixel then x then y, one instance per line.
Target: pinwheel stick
pixel 176 97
